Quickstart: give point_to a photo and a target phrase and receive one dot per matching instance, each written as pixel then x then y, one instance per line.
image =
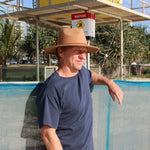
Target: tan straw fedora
pixel 71 37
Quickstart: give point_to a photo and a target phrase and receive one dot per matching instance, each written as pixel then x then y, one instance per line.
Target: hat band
pixel 73 44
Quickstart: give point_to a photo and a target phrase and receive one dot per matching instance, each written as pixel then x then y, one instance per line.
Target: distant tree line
pixel 136 45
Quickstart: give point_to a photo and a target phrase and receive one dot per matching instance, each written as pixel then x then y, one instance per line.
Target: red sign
pixel 85 21
pixel 83 16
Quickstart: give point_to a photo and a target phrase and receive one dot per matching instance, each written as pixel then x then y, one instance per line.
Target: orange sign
pixel 80 25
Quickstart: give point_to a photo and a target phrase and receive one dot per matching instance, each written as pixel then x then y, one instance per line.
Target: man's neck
pixel 66 72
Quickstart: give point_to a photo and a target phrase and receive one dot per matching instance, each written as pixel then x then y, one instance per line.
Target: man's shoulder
pixel 50 86
pixel 85 71
pixel 52 81
pixel 52 78
pixel 85 74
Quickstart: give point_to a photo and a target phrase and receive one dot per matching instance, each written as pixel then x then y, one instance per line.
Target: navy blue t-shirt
pixel 66 105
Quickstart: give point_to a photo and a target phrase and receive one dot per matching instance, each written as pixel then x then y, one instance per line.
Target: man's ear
pixel 60 51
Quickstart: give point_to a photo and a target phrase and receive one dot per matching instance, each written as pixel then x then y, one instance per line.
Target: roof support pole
pixel 37 48
pixel 121 33
pixel 88 57
pixel 143 6
pixel 131 4
pixel 87 61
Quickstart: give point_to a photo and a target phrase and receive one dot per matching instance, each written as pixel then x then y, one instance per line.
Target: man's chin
pixel 79 67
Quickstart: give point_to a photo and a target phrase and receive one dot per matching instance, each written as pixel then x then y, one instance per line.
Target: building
pixel 19 25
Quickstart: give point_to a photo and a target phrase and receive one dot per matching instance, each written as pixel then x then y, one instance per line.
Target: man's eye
pixel 84 51
pixel 77 51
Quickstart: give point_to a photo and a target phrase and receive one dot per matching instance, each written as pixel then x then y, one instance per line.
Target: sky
pixel 126 3
pixel 137 3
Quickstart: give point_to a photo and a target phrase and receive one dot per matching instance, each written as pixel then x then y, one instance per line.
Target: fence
pixel 116 127
pixel 28 73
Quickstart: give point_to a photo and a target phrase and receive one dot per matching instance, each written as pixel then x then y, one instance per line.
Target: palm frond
pixel 2 9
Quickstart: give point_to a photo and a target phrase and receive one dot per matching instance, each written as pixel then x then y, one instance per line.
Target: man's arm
pixel 50 138
pixel 114 89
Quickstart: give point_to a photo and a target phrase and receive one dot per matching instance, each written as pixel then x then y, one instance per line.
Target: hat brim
pixel 52 50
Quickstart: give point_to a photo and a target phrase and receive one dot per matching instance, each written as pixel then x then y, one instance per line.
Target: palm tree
pixel 8 40
pixel 107 38
pixel 46 38
pixel 135 44
pixel 2 9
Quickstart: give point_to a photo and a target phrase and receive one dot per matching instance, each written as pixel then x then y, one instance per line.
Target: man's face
pixel 74 57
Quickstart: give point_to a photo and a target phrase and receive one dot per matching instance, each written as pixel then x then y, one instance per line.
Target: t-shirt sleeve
pixel 89 74
pixel 48 109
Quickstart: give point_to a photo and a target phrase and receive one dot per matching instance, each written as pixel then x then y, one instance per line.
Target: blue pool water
pixel 116 127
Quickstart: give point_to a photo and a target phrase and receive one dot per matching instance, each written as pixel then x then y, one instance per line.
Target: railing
pixel 21 5
pixel 144 6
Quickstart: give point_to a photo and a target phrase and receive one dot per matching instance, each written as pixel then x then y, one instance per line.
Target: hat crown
pixel 71 36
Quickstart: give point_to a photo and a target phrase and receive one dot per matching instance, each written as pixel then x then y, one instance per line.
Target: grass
pixel 137 76
pixel 27 72
pixel 25 65
pixel 22 72
pixel 95 70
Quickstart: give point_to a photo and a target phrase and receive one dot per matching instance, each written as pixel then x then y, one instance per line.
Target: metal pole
pixel 88 57
pixel 131 4
pixel 37 4
pixel 22 5
pixel 49 60
pixel 143 6
pixel 17 5
pixel 121 32
pixel 32 3
pixel 37 48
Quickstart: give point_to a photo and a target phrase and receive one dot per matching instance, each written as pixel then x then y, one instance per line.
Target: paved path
pixel 139 79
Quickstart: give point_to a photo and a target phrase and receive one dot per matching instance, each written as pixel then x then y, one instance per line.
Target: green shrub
pixel 147 75
pixel 148 71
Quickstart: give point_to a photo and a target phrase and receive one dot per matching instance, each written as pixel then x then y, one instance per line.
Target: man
pixel 64 103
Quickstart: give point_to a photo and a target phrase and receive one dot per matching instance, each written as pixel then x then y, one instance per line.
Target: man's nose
pixel 83 55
